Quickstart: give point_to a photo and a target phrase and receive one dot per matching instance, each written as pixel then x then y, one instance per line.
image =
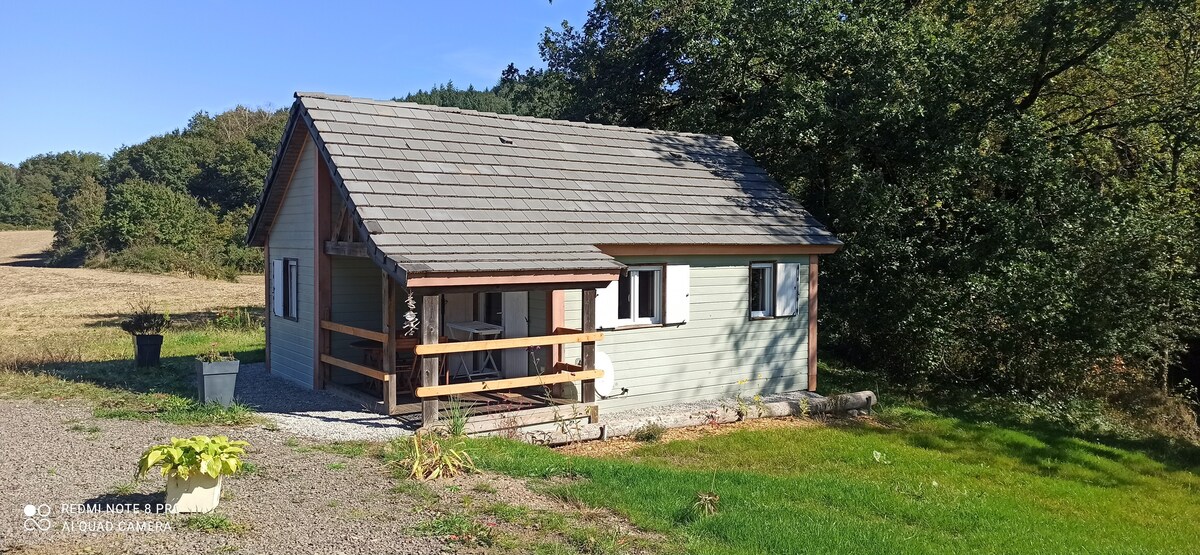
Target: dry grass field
pixel 38 303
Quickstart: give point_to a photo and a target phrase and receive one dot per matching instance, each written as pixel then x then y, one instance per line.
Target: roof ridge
pixel 468 111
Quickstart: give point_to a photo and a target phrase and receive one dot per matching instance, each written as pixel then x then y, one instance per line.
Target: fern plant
pixel 209 456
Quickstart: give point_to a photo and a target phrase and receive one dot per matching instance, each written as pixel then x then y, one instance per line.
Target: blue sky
pixel 95 75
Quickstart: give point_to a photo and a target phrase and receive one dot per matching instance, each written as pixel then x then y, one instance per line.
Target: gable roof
pixel 439 190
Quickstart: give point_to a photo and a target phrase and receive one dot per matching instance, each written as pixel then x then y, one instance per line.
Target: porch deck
pixel 519 405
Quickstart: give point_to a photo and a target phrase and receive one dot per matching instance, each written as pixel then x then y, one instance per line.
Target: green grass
pixel 210 522
pixel 458 528
pixel 937 485
pixel 99 369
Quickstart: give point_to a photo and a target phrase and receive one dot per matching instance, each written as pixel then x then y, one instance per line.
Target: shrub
pixel 211 456
pixel 652 431
pixel 425 456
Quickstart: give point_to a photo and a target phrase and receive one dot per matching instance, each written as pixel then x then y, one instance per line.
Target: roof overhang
pixel 714 249
pixel 524 280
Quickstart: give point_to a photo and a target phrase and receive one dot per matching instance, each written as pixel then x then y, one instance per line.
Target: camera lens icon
pixel 37 517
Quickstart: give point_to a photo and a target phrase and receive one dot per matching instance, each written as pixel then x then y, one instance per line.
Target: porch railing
pixel 563 372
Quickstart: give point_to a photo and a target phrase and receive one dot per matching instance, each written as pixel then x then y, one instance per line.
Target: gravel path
pixel 312 414
pixel 298 500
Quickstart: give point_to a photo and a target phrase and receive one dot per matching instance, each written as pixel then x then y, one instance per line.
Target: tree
pixel 1015 181
pixel 78 229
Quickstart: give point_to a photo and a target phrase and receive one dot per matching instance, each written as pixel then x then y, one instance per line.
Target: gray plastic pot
pixel 216 381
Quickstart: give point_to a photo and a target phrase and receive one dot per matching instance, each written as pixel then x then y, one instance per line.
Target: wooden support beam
pixel 268 308
pixel 357 368
pixel 356 332
pixel 812 322
pixel 566 367
pixel 513 343
pixel 345 248
pixel 431 325
pixel 506 383
pixel 323 270
pixel 587 350
pixel 389 341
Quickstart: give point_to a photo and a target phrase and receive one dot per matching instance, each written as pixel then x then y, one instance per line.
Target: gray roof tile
pixel 439 191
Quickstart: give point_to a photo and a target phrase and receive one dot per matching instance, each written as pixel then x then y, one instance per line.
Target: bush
pixel 650 432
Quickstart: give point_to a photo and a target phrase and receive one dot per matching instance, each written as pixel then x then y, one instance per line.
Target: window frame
pixel 290 289
pixel 771 284
pixel 636 320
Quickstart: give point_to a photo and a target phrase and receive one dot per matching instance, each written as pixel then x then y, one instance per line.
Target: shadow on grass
pixel 230 318
pixel 1037 442
pixel 119 389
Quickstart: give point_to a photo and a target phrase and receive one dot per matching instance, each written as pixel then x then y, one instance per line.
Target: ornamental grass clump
pixel 427 456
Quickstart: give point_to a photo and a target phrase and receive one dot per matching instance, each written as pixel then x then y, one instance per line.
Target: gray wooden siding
pixel 357 287
pixel 291 236
pixel 717 348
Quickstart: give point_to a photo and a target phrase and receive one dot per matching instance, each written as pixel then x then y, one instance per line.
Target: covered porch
pixel 492 347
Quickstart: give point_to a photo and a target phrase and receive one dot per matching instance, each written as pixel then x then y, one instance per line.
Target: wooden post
pixel 324 275
pixel 431 325
pixel 587 349
pixel 388 356
pixel 269 308
pixel 812 322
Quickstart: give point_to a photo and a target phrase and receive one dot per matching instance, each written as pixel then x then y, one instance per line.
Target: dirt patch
pixel 623 445
pixel 39 302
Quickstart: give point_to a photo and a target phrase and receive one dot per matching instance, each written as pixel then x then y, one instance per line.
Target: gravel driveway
pixel 298 500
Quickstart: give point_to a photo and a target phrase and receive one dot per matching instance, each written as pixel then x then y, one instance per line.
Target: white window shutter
pixel 787 288
pixel 277 287
pixel 679 291
pixel 606 307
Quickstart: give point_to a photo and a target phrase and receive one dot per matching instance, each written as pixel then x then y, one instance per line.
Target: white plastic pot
pixel 199 493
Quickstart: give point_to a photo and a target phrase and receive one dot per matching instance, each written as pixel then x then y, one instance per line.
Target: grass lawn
pixel 915 483
pixel 97 365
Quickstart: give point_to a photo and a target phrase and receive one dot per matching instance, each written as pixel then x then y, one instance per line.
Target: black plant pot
pixel 147 350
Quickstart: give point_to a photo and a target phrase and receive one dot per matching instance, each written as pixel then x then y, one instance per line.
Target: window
pixel 762 290
pixel 639 296
pixel 285 284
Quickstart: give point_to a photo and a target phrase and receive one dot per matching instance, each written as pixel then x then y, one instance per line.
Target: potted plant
pixel 146 327
pixel 216 376
pixel 194 468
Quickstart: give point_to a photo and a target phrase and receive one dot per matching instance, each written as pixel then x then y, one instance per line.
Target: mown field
pixel 59 334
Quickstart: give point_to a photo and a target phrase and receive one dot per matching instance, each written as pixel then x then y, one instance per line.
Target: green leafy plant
pixel 211 456
pixel 145 321
pixel 214 355
pixel 426 456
